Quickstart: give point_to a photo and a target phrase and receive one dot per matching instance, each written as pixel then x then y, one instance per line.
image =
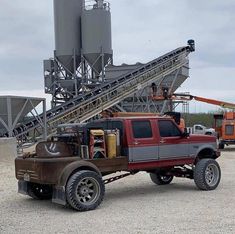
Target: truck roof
pixel 137 117
pixel 72 125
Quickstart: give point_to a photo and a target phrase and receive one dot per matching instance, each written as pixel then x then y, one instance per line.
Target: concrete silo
pixel 67 18
pixel 83 48
pixel 61 72
pixel 96 35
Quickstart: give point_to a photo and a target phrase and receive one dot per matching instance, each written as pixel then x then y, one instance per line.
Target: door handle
pixel 162 141
pixel 136 143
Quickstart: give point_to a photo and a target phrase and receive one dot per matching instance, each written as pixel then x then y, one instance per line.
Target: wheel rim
pixel 212 175
pixel 88 191
pixel 166 178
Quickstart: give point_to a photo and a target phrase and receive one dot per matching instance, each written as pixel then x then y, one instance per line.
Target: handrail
pixel 92 4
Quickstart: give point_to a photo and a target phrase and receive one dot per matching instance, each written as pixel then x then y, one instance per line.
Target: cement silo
pixel 67 16
pixel 96 35
pixel 82 31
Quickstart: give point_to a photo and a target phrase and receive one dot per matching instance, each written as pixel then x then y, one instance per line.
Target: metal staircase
pixel 105 96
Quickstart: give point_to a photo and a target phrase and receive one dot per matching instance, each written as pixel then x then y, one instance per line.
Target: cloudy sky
pixel 142 30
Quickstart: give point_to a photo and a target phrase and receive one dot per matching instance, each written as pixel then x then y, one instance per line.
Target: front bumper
pixel 228 142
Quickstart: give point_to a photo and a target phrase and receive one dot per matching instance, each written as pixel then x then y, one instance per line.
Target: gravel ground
pixel 131 205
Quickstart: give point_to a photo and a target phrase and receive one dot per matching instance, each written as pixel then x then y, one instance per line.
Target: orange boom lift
pixel 224 124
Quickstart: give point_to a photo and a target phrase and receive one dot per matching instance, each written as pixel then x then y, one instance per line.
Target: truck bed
pixel 48 170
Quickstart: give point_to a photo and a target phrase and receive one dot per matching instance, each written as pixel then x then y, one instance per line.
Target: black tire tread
pixel 156 178
pixel 199 174
pixel 221 145
pixel 70 190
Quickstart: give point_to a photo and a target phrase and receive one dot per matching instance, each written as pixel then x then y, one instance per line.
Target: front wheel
pixel 161 179
pixel 85 190
pixel 207 174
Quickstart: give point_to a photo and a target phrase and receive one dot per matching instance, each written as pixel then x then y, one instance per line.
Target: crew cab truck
pixel 72 172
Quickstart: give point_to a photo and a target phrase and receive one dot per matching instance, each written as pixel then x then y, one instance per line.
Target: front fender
pixel 206 146
pixel 207 151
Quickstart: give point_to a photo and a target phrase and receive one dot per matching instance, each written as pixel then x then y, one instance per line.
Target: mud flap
pixel 58 196
pixel 23 187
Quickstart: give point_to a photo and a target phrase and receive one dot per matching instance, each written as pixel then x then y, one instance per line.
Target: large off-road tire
pixel 40 191
pixel 85 190
pixel 207 174
pixel 161 179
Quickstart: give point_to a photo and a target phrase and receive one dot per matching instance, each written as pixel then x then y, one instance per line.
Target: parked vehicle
pixel 200 129
pixel 72 172
pixel 225 126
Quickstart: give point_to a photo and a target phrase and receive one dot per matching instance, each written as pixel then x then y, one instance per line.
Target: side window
pixel 198 128
pixel 229 130
pixel 142 129
pixel 168 129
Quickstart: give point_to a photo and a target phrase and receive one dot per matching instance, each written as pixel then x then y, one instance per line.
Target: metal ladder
pixel 84 107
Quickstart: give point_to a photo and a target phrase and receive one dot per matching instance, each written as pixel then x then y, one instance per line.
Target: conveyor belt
pixel 84 107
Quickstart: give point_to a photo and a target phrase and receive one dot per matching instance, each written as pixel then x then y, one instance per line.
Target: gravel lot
pixel 131 205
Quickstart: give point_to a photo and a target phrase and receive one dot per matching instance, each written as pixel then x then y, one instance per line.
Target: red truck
pixel 70 169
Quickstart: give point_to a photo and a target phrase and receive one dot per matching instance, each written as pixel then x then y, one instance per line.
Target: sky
pixel 141 31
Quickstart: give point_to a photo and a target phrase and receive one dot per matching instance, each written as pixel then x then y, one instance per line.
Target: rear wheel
pixel 85 190
pixel 160 179
pixel 207 174
pixel 221 145
pixel 40 191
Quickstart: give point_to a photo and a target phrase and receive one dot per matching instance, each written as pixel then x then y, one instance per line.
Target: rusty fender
pixel 75 166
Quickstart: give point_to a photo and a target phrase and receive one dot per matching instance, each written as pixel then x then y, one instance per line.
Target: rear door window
pixel 142 129
pixel 168 129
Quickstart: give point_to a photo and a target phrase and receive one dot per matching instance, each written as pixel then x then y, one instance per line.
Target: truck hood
pixel 202 138
pixel 210 129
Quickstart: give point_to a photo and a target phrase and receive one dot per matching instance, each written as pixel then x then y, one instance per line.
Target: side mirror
pixel 185 134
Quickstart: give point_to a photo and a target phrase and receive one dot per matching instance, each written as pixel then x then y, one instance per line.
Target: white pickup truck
pixel 200 129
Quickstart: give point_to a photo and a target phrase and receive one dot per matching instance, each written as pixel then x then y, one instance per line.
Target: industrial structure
pixel 15 110
pixel 83 57
pixel 83 49
pixel 81 76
